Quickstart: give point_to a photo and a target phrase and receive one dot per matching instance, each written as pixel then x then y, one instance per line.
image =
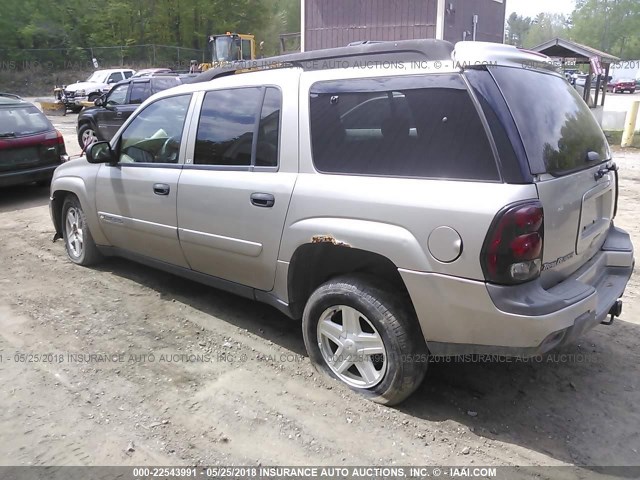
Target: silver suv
pixel 403 199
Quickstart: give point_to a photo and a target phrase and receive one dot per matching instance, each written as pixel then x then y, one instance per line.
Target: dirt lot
pixel 258 400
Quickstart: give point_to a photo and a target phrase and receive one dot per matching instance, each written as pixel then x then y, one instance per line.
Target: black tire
pixel 76 109
pixel 88 253
pixel 93 97
pixel 388 311
pixel 81 131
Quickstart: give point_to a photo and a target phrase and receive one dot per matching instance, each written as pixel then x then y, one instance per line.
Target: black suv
pixel 112 110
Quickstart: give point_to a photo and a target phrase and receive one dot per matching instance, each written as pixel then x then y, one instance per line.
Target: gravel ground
pixel 250 395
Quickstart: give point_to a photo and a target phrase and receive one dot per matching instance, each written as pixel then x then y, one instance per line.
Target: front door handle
pixel 161 189
pixel 263 200
pixel 118 114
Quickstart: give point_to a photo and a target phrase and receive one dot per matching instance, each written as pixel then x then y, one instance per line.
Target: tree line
pixel 612 26
pixel 70 24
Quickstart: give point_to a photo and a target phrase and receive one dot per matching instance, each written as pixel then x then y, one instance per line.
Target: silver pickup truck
pixel 404 199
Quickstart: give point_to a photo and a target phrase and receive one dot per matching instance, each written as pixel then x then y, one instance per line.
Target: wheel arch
pixel 61 189
pixel 312 264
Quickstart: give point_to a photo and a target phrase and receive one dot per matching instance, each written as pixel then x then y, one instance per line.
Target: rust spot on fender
pixel 329 239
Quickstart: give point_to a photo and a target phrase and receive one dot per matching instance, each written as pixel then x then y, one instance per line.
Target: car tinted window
pixel 23 121
pixel 140 91
pixel 118 96
pixel 418 126
pixel 226 127
pixel 557 127
pixel 155 134
pixel 128 74
pixel 269 131
pixel 115 77
pixel 162 83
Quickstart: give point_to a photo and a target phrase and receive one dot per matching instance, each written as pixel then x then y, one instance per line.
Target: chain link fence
pixel 34 72
pixel 131 56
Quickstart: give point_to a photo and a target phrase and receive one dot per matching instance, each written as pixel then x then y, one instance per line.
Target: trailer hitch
pixel 614 311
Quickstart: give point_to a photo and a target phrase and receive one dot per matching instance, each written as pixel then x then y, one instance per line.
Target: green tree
pixel 609 25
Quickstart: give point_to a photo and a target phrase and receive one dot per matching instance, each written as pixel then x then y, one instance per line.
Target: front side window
pixel 155 135
pixel 118 96
pixel 417 126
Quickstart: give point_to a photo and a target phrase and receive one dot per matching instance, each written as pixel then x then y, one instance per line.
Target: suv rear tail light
pixel 512 251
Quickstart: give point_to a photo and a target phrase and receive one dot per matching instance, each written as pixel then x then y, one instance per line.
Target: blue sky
pixel 530 8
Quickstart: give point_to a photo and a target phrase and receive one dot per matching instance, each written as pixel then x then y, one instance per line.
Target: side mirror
pixel 99 102
pixel 100 152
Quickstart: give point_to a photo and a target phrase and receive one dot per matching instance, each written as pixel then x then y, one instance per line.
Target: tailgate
pixel 578 210
pixel 565 149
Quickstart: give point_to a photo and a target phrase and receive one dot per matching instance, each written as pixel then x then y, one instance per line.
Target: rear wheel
pixel 78 241
pixel 365 335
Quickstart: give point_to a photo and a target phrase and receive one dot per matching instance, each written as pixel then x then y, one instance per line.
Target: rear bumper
pixel 460 316
pixel 20 177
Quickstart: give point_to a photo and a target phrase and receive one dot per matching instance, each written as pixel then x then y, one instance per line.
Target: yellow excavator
pixel 230 47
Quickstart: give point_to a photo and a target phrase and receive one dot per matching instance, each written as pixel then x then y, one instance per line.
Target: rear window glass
pixel 23 121
pixel 557 128
pixel 418 126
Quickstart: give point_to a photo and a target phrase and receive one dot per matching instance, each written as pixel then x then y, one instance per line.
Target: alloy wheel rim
pixel 351 346
pixel 75 232
pixel 88 137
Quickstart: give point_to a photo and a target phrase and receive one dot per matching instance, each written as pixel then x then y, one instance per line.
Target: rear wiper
pixel 8 134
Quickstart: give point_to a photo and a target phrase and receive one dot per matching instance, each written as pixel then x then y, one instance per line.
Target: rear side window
pixel 140 91
pixel 162 83
pixel 418 126
pixel 557 128
pixel 128 74
pixel 229 121
pixel 23 121
pixel 114 77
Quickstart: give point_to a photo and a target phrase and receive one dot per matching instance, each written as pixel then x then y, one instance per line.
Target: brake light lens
pixel 512 251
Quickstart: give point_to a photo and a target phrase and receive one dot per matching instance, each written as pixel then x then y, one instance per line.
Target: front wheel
pixel 86 135
pixel 78 241
pixel 365 335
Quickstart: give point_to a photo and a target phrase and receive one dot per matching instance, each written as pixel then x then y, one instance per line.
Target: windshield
pixel 97 77
pixel 222 49
pixel 558 130
pixel 23 121
pixel 225 49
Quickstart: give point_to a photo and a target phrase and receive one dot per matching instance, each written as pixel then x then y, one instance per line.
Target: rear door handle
pixel 161 189
pixel 263 200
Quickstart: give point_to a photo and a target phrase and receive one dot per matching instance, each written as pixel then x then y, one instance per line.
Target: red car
pixel 622 85
pixel 30 147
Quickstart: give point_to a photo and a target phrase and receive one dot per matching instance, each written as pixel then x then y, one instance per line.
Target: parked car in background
pixel 622 85
pixel 399 213
pixel 30 147
pixel 98 83
pixel 149 72
pixel 112 110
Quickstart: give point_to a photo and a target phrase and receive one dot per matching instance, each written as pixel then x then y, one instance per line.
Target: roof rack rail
pixel 358 54
pixel 10 95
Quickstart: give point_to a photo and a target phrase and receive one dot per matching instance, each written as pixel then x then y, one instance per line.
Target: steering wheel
pixel 168 153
